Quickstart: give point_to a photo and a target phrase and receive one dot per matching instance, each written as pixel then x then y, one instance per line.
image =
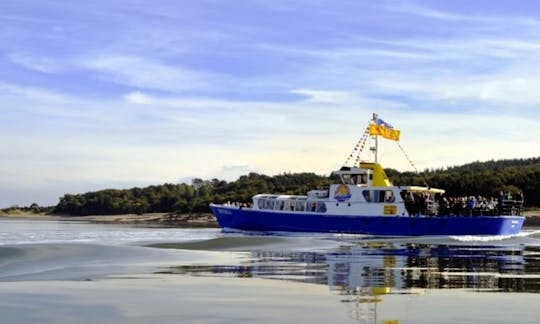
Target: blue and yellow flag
pixel 382 128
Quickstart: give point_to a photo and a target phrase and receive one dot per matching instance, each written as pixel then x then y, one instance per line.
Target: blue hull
pixel 276 221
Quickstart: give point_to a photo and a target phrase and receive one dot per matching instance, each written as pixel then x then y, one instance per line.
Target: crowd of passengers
pixel 504 204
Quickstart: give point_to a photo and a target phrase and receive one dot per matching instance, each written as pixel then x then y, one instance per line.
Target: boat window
pixel 321 207
pixel 286 205
pixel 261 203
pixel 362 179
pixel 280 204
pixel 379 195
pixel 312 206
pixel 292 203
pixel 389 196
pixel 270 204
pixel 355 179
pixel 368 195
pixel 300 205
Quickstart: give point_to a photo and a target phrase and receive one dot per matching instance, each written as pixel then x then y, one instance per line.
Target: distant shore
pixel 160 219
pixel 532 218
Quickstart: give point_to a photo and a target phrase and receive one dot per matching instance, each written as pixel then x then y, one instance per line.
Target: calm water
pixel 376 279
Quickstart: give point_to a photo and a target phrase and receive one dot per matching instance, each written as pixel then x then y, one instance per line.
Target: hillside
pixel 477 178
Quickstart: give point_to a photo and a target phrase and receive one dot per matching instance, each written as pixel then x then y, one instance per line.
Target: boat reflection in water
pixel 397 266
pixel 365 273
pixel 406 266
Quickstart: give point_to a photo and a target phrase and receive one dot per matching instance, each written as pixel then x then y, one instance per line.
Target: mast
pixel 374 148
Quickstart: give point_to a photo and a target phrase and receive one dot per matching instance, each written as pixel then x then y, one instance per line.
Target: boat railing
pixel 511 207
pixel 428 207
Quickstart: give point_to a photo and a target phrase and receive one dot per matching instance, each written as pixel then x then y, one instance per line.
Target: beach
pixel 165 219
pixel 55 271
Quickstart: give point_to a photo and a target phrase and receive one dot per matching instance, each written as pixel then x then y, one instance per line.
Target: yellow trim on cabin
pixel 379 176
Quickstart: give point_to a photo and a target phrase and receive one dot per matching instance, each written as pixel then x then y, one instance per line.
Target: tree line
pixel 478 178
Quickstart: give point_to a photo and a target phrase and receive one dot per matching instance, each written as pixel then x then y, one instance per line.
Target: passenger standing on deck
pixel 519 197
pixel 519 202
pixel 471 204
pixel 500 202
pixel 422 204
pixel 445 206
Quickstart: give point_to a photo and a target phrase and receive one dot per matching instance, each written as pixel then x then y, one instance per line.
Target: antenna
pixel 374 148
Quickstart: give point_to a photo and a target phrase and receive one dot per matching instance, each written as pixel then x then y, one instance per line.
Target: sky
pixel 123 93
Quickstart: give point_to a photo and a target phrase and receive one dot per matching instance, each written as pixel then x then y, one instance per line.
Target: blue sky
pixel 123 93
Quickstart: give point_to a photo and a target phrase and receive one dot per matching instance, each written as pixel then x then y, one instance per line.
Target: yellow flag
pixel 386 132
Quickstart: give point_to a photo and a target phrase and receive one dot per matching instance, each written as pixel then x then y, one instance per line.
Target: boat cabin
pixel 363 190
pixel 368 174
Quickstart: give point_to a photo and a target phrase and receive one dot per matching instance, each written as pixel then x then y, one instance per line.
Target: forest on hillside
pixel 477 178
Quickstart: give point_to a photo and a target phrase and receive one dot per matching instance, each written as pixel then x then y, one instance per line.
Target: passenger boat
pixel 366 202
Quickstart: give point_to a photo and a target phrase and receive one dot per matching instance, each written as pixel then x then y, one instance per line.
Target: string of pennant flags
pixel 364 143
pixel 359 147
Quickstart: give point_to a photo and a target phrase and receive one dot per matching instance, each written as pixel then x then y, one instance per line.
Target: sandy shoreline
pixel 164 219
pixel 532 218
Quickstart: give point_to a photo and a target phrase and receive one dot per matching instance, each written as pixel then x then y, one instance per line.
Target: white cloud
pixel 138 98
pixel 416 9
pixel 412 8
pixel 504 89
pixel 36 63
pixel 143 72
pixel 322 96
pixel 33 93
